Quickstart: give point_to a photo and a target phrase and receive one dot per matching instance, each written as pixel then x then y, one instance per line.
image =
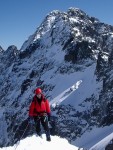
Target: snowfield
pixel 34 143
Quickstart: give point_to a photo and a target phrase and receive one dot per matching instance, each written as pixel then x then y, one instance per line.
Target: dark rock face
pixel 109 147
pixel 1 49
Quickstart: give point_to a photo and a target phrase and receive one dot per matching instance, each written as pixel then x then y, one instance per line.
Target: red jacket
pixel 37 109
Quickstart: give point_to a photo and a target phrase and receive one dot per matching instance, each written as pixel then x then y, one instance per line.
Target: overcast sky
pixel 20 18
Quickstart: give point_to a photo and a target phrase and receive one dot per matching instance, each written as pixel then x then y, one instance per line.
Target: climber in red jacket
pixel 40 111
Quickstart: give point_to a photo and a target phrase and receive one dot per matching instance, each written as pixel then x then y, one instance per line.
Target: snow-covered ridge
pixel 102 144
pixel 56 19
pixel 34 143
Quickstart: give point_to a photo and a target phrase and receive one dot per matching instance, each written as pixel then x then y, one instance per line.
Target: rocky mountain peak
pixel 12 50
pixel 75 12
pixel 1 49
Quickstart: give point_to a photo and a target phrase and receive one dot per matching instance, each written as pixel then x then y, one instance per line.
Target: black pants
pixel 44 121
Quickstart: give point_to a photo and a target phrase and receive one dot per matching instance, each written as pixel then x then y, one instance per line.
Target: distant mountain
pixel 70 58
pixel 1 49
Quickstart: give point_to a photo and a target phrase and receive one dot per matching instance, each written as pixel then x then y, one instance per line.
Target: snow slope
pixel 81 85
pixel 103 143
pixel 95 137
pixel 34 143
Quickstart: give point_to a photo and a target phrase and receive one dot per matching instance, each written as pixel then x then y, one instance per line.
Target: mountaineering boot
pixel 48 138
pixel 39 134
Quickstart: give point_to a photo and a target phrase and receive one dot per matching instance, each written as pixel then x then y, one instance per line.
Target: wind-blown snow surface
pixel 103 143
pixel 81 85
pixel 92 137
pixel 34 143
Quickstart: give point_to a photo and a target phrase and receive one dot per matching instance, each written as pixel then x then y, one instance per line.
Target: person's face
pixel 38 95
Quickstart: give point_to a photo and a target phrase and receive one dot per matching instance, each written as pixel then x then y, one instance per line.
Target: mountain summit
pixel 70 57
